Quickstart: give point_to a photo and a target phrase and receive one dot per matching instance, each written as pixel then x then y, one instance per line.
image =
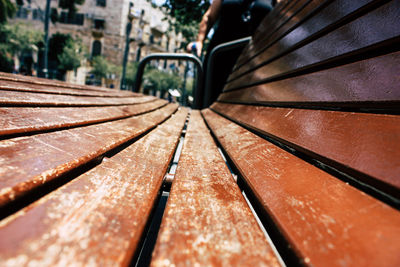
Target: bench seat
pixel 296 163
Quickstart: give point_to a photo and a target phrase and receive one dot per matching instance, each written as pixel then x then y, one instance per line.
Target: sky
pixel 158 2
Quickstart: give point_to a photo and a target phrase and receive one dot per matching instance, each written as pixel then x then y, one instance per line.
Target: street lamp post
pixel 140 36
pixel 46 39
pixel 127 42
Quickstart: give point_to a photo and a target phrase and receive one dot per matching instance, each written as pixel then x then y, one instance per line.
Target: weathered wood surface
pixel 207 222
pixel 366 143
pixel 48 82
pixel 325 220
pixel 307 29
pixel 372 28
pixel 6 85
pixel 12 98
pixel 370 83
pixel 98 218
pixel 17 120
pixel 29 162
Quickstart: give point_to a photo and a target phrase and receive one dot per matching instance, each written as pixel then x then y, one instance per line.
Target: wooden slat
pixel 26 87
pixel 278 19
pixel 365 143
pixel 327 19
pixel 264 36
pixel 98 218
pixel 39 99
pixel 354 85
pixel 207 221
pixel 28 162
pixel 374 27
pixel 18 120
pixel 325 221
pixel 42 81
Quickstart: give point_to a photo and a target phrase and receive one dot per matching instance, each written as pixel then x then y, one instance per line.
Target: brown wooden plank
pixel 360 84
pixel 18 120
pixel 277 19
pixel 365 143
pixel 324 20
pixel 326 221
pixel 207 222
pixel 54 83
pixel 372 28
pixel 12 98
pixel 98 218
pixel 28 162
pixel 265 36
pixel 27 87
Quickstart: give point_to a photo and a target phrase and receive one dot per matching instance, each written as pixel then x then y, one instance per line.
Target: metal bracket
pixel 198 92
pixel 210 64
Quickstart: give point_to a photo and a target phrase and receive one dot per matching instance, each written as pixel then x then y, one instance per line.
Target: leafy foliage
pixel 7 10
pixel 70 5
pixel 70 58
pixel 14 40
pixel 186 15
pixel 102 68
pixel 161 80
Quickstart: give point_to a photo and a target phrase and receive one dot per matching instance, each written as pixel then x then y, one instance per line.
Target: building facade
pixel 101 25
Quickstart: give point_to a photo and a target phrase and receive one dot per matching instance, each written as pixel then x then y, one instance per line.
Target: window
pixel 22 13
pixel 37 14
pixel 96 48
pixel 99 24
pixel 101 3
pixel 78 19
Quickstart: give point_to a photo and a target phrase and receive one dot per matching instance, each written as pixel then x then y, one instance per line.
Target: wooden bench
pixel 297 162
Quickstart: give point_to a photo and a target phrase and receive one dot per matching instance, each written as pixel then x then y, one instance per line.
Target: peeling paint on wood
pixel 28 162
pixel 54 83
pixel 98 218
pixel 19 120
pixel 29 87
pixel 39 99
pixel 207 221
pixel 325 220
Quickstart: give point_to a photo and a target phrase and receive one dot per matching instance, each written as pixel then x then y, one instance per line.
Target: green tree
pixel 155 79
pixel 186 15
pixel 131 70
pixel 71 56
pixel 16 40
pixel 7 10
pixel 102 68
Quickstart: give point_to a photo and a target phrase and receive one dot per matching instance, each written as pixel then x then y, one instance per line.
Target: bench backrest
pixel 320 81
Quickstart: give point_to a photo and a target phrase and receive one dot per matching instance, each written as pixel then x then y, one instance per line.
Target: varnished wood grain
pixel 326 19
pixel 374 27
pixel 12 98
pixel 48 82
pixel 30 87
pixel 98 218
pixel 28 162
pixel 371 83
pixel 265 36
pixel 18 120
pixel 207 221
pixel 326 221
pixel 366 143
